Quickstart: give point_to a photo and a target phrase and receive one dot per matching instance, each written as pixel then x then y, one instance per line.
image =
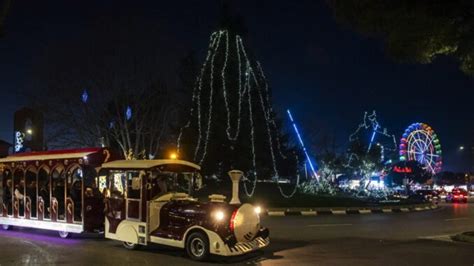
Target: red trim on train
pixel 71 151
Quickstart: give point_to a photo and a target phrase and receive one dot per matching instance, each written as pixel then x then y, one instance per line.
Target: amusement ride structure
pixel 420 143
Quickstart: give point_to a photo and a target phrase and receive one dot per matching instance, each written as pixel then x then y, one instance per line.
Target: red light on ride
pixel 398 169
pixel 232 221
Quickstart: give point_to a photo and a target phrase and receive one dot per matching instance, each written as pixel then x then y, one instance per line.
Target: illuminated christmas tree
pixel 232 124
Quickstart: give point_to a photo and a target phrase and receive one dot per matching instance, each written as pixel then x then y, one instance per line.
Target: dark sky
pixel 327 74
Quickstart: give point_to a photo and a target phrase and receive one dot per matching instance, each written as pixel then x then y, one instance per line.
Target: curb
pixel 467 237
pixel 346 211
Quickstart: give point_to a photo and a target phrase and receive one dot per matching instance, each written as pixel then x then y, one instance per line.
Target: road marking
pixel 446 238
pixel 405 209
pixel 338 212
pixel 308 213
pixel 276 213
pixel 365 211
pixel 386 210
pixel 328 225
pixel 456 219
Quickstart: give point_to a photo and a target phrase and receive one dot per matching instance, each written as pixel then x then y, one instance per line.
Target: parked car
pixel 457 195
pixel 428 194
pixel 442 194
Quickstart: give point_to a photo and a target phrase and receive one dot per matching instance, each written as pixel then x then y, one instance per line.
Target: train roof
pixel 51 155
pixel 145 164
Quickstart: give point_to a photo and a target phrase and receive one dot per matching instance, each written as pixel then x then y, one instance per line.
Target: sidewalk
pixel 348 210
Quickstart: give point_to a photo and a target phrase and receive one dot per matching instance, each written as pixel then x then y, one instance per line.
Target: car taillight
pixel 232 221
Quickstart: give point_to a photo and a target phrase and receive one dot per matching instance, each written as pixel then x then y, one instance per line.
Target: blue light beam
pixel 301 143
pixel 373 137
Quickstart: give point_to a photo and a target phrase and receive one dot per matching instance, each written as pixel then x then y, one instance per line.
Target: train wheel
pixel 5 226
pixel 64 234
pixel 130 246
pixel 197 246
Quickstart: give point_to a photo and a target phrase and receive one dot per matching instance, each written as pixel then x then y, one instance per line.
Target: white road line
pixel 365 211
pixel 309 213
pixel 328 225
pixel 276 213
pixel 456 219
pixel 386 210
pixel 446 238
pixel 338 212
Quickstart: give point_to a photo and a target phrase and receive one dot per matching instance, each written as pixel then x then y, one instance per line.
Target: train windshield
pixel 163 182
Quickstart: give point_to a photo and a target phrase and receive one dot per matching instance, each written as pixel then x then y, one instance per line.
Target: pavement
pixel 405 238
pixel 349 210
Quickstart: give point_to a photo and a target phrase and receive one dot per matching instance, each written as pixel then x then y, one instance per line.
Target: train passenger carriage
pixel 53 190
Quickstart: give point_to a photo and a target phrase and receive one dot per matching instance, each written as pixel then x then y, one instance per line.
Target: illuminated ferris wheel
pixel 420 143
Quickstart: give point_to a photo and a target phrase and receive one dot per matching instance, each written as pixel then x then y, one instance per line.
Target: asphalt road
pixel 419 238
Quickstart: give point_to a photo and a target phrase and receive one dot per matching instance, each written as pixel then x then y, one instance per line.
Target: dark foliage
pixel 415 31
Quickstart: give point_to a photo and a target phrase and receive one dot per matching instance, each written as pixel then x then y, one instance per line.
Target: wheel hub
pixel 197 247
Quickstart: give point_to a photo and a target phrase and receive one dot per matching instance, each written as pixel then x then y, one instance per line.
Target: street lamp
pixel 29 131
pixel 461 148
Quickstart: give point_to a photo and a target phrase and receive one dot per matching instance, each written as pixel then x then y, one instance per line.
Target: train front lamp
pixel 173 156
pixel 219 215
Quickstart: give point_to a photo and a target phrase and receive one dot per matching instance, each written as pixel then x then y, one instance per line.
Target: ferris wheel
pixel 420 143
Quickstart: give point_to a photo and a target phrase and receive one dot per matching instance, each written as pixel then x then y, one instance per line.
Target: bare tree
pixel 4 9
pixel 109 92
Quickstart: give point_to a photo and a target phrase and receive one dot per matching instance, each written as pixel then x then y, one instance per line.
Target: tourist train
pixel 137 202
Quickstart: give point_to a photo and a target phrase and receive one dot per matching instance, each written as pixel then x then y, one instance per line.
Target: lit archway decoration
pixel 420 143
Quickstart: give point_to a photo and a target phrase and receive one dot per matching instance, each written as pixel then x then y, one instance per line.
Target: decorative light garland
pixel 244 90
pixel 209 122
pixel 19 140
pixel 197 97
pixel 371 122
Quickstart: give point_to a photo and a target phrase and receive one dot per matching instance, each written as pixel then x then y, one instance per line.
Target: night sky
pixel 327 74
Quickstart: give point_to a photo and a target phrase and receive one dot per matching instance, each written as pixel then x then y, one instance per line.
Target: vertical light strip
pixel 302 143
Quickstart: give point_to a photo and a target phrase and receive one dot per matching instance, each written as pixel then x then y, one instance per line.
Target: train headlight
pixel 258 210
pixel 219 215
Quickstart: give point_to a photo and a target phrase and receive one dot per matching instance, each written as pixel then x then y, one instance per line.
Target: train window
pixel 19 193
pixel 43 194
pixel 134 189
pixel 74 194
pixel 117 184
pixel 133 185
pixel 101 181
pixel 31 191
pixel 58 192
pixel 2 192
pixel 90 181
pixel 8 191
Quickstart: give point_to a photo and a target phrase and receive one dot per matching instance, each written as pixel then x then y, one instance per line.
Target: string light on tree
pixel 370 122
pixel 231 91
